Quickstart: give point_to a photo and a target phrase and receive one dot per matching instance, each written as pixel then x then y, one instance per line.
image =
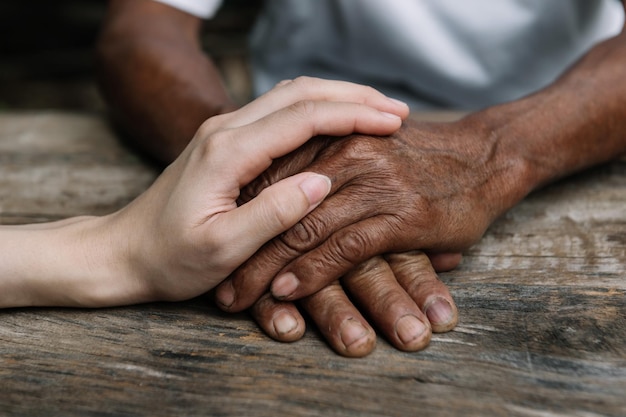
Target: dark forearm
pixel 156 80
pixel 577 122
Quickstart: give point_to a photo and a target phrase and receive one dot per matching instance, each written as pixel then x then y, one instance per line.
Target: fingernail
pixel 409 328
pixel 396 101
pixel 285 285
pixel 316 187
pixel 225 294
pixel 351 331
pixel 439 311
pixel 285 323
pixel 390 115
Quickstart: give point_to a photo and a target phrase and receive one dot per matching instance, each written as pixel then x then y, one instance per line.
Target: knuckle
pixel 372 269
pixel 327 302
pixel 369 91
pixel 283 83
pixel 304 235
pixel 351 246
pixel 373 283
pixel 213 143
pixel 303 109
pixel 304 82
pixel 362 148
pixel 422 282
pixel 410 263
pixel 212 124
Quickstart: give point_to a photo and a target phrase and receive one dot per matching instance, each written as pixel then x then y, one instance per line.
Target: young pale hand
pixel 186 234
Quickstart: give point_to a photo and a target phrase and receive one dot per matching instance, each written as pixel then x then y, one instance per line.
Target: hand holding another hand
pixel 433 187
pixel 195 235
pixel 185 234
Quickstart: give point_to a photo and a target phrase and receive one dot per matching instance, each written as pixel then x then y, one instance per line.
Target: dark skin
pixel 151 66
pixel 498 156
pixel 435 186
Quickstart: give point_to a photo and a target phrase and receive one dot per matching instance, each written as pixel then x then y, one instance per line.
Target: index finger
pixel 290 92
pixel 257 144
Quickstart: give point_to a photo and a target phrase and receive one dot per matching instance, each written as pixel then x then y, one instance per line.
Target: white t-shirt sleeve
pixel 201 8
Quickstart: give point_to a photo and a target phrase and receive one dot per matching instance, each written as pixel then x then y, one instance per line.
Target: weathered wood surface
pixel 542 304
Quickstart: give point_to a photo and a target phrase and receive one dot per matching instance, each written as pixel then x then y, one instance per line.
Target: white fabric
pixel 431 53
pixel 201 8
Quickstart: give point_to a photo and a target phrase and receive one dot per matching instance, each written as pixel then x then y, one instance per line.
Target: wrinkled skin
pixel 372 178
pixel 401 294
pixel 436 187
pixel 151 65
pixel 431 187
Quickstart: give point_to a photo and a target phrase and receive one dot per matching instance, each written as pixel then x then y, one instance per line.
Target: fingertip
pixel 398 102
pixel 284 286
pixel 286 327
pixel 357 339
pixel 412 333
pixel 442 314
pixel 391 116
pixel 402 109
pixel 279 320
pixel 225 295
pixel 443 262
pixel 315 187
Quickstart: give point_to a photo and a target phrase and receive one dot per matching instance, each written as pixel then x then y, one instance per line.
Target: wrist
pixel 573 124
pixel 511 155
pixel 72 263
pixel 483 161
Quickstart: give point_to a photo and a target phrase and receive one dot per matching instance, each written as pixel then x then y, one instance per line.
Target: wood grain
pixel 542 302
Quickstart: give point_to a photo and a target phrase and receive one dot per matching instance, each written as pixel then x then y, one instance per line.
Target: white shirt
pixel 430 53
pixel 201 8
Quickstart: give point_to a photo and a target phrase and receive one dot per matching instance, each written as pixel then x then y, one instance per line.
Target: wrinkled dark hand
pixel 433 187
pixel 401 296
pixel 429 186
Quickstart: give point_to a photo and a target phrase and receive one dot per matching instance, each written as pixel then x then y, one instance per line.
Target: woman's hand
pixel 185 234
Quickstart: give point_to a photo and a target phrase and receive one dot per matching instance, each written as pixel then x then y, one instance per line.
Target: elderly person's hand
pixel 426 187
pixel 186 233
pixel 437 187
pixel 400 295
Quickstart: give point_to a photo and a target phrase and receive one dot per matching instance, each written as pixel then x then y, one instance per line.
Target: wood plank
pixel 513 352
pixel 542 302
pixel 56 165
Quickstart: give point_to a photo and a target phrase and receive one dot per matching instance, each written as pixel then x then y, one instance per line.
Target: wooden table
pixel 542 303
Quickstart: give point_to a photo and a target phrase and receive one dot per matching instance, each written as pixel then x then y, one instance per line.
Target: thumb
pixel 276 209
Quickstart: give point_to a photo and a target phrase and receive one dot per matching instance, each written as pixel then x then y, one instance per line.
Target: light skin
pixel 186 233
pixel 151 66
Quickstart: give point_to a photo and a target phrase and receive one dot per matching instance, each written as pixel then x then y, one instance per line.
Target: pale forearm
pixel 74 262
pixel 185 234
